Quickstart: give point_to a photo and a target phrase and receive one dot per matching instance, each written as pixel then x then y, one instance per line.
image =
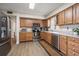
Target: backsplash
pixel 26 29
pixel 70 26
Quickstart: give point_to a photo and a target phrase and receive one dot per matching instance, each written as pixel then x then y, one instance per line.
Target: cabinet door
pixel 49 38
pixel 70 52
pixel 61 18
pixel 68 16
pixel 22 23
pixel 42 35
pixel 76 54
pixel 77 13
pixel 29 36
pixel 29 23
pixel 74 14
pixel 22 36
pixel 63 44
pixel 44 23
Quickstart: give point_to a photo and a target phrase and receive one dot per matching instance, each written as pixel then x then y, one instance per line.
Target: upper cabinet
pixel 44 23
pixel 29 23
pixel 22 22
pixel 61 18
pixel 76 8
pixel 68 15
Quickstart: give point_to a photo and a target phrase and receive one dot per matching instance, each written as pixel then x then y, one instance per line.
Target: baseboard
pixel 26 41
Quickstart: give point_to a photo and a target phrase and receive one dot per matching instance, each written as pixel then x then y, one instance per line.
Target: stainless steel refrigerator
pixel 5 40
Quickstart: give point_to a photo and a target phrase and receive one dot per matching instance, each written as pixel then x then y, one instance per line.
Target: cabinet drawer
pixel 76 47
pixel 71 45
pixel 71 39
pixel 76 54
pixel 70 52
pixel 76 40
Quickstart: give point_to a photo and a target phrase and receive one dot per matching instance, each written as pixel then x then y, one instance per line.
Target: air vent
pixel 9 12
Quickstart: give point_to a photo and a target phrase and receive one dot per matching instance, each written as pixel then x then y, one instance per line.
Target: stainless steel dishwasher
pixel 55 40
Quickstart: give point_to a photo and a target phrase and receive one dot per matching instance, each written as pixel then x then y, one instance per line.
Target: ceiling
pixel 41 9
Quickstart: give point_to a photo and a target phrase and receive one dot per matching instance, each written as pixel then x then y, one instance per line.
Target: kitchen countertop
pixel 64 33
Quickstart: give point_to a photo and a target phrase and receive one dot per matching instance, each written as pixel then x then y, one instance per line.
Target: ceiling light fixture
pixel 31 5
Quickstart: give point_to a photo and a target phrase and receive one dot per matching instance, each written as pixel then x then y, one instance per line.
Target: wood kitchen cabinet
pixel 22 22
pixel 22 36
pixel 73 46
pixel 49 38
pixel 25 36
pixel 29 23
pixel 76 14
pixel 68 16
pixel 25 22
pixel 29 36
pixel 63 44
pixel 61 18
pixel 44 23
pixel 42 35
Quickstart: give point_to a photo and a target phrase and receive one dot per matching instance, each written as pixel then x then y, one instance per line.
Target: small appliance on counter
pixel 44 29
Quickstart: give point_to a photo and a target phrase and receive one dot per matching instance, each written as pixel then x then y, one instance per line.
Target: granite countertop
pixel 64 33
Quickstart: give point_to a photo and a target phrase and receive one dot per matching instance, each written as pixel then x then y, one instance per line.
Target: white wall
pixel 12 18
pixel 53 23
pixel 17 27
pixel 24 15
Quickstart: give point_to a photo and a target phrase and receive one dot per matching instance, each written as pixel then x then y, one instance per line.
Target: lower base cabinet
pixel 47 37
pixel 69 45
pixel 29 36
pixel 22 36
pixel 63 44
pixel 25 36
pixel 73 46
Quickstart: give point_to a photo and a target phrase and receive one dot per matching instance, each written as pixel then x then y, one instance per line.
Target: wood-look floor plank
pixel 50 50
pixel 28 49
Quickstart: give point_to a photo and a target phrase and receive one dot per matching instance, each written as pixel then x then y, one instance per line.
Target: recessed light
pixel 31 5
